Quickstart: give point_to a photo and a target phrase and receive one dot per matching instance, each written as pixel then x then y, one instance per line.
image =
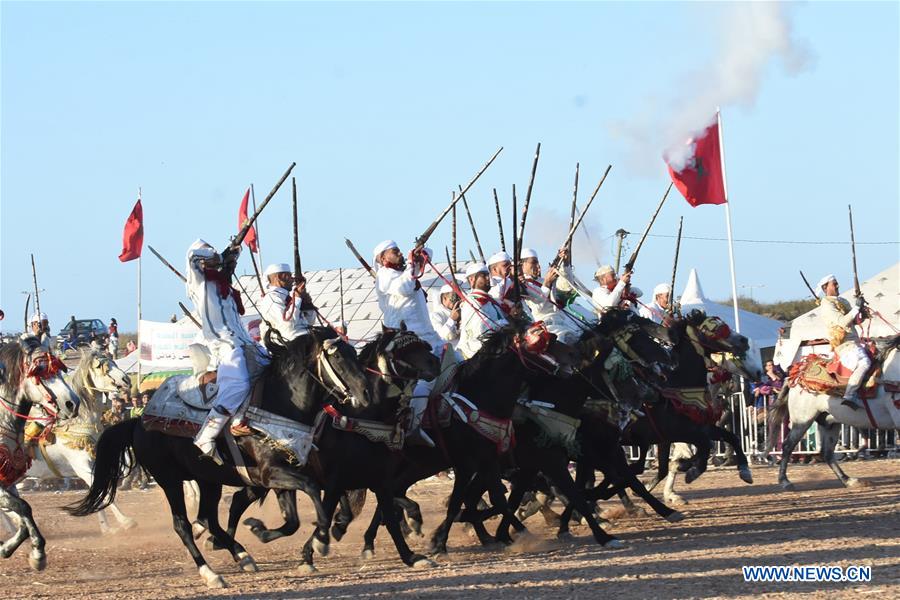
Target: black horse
pixel 310 369
pixel 346 458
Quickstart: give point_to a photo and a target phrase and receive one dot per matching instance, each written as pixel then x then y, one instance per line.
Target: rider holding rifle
pixel 839 318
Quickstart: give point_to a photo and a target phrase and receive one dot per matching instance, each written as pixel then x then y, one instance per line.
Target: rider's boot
pixel 215 422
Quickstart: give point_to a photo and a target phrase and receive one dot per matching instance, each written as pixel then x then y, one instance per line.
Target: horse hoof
pixel 746 475
pixel 675 500
pixel 307 569
pixel 614 544
pixel 321 548
pixel 854 482
pixel 337 533
pixel 368 554
pixel 566 536
pixel 254 524
pixel 438 551
pixel 787 486
pixel 675 517
pixel 105 531
pixel 246 563
pixel 129 523
pixel 213 580
pixel 423 563
pixel 692 474
pixel 38 563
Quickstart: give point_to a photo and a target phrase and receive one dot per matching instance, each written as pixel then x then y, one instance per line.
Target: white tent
pixel 882 292
pixel 762 331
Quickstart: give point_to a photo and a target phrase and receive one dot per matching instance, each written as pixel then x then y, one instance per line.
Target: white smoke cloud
pixel 753 36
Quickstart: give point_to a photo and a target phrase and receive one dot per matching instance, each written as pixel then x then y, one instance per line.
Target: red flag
pixel 700 181
pixel 250 238
pixel 133 236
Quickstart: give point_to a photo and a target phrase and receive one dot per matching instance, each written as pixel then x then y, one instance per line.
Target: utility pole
pixel 621 235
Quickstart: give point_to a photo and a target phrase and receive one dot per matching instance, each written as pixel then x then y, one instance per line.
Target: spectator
pixel 113 339
pixel 130 346
pixel 766 390
pixel 137 409
pixel 116 414
pixel 73 330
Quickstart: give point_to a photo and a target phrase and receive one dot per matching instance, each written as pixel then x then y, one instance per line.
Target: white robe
pixel 480 314
pixel 444 326
pixel 272 309
pixel 653 311
pixel 402 302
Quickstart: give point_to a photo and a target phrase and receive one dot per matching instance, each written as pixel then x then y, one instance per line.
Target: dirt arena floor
pixel 729 524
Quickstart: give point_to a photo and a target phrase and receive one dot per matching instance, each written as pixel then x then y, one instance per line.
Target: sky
pixel 387 107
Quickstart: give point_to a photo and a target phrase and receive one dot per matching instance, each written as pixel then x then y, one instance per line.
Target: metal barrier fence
pixel 749 423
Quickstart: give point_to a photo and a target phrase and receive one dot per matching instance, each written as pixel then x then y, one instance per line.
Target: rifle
pixel 188 314
pixel 472 255
pixel 578 221
pixel 298 269
pixel 629 266
pixel 167 263
pixel 809 287
pixel 453 240
pixel 422 239
pixel 27 302
pixel 237 240
pixel 671 307
pixel 537 155
pixel 499 221
pixel 568 260
pixel 515 263
pixel 359 257
pixel 450 264
pixel 37 295
pixel 472 224
pixel 856 291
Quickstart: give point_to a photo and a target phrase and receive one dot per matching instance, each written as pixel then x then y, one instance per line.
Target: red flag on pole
pixel 700 180
pixel 133 236
pixel 250 238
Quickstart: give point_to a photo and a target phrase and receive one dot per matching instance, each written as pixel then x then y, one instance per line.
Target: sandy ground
pixel 729 524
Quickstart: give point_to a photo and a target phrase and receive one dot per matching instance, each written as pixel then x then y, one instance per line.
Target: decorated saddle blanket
pixel 609 411
pixel 557 429
pixel 826 375
pixel 14 463
pixel 698 404
pixel 498 430
pixel 170 415
pixel 391 435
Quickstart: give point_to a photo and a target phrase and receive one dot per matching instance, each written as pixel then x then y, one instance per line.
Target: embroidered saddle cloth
pixel 697 404
pixel 826 375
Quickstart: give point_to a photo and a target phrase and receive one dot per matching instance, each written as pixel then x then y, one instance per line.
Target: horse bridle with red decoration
pixel 42 367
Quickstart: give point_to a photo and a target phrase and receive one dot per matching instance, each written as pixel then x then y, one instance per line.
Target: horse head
pixel 405 355
pixel 643 342
pixel 338 368
pixel 714 334
pixel 102 373
pixel 36 375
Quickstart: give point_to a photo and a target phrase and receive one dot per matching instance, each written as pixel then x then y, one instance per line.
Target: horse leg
pixel 723 435
pixel 315 542
pixel 370 534
pixel 287 504
pixel 83 466
pixel 210 494
pixel 662 464
pixel 464 476
pixel 175 496
pixel 10 501
pixel 701 459
pixel 559 475
pixel 787 448
pixel 413 514
pixel 829 441
pixel 240 502
pixel 391 515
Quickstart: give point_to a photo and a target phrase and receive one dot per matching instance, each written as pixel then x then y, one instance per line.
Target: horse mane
pixel 370 351
pixel 12 357
pixel 493 344
pixel 80 384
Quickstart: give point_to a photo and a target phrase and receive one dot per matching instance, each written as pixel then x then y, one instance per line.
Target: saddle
pixel 826 375
pixel 697 404
pixel 557 429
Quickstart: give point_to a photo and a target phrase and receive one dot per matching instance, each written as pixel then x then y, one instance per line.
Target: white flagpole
pixel 139 312
pixel 734 298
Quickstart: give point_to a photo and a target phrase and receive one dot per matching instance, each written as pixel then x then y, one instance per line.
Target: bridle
pixel 393 363
pixel 43 367
pixel 323 365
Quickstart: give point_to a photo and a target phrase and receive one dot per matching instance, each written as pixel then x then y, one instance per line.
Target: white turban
pixel 385 245
pixel 662 288
pixel 499 257
pixel 277 268
pixel 528 253
pixel 825 280
pixel 603 270
pixel 475 268
pixel 38 317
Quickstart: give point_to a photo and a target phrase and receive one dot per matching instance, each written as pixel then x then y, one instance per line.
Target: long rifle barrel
pixel 572 216
pixel 671 307
pixel 472 224
pixel 167 263
pixel 298 268
pixel 359 257
pixel 239 238
pixel 499 221
pixel 37 294
pixel 856 291
pixel 534 164
pixel 188 314
pixel 422 239
pixel 578 221
pixel 809 287
pixel 629 266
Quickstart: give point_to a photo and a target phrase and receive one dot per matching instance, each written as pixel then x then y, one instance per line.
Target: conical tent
pixel 762 331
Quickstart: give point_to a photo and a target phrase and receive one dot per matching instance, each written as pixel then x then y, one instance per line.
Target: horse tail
pixel 776 415
pixel 113 449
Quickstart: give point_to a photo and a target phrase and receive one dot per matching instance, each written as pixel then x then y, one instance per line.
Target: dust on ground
pixel 729 525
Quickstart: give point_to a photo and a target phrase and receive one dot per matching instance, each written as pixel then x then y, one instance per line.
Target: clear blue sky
pixel 387 107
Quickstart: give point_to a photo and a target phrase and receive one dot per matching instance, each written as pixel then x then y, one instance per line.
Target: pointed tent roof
pixel 762 331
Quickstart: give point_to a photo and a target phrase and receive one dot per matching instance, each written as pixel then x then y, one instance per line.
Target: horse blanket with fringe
pixel 697 404
pixel 822 374
pixel 14 463
pixel 557 429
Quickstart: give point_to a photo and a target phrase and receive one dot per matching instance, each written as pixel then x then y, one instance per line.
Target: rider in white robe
pixel 657 310
pixel 839 318
pixel 281 306
pixel 480 313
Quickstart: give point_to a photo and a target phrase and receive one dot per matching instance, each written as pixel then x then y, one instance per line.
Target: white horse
pixel 29 376
pixel 805 407
pixel 71 453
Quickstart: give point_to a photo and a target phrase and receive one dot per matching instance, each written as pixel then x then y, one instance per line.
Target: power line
pixel 802 242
